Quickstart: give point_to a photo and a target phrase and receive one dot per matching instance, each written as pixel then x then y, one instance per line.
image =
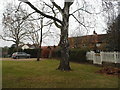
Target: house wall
pixel 25 47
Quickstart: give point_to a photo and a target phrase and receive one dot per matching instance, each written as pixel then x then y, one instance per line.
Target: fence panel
pixel 97 59
pixel 90 55
pixel 113 57
pixel 108 57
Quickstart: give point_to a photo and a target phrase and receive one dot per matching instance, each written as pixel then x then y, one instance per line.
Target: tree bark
pixel 64 43
pixel 17 45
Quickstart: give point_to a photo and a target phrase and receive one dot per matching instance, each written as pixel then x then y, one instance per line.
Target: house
pixel 27 46
pixel 90 42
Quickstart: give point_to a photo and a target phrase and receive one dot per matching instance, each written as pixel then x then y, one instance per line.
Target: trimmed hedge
pixel 76 55
pixel 11 50
pixel 56 53
pixel 32 52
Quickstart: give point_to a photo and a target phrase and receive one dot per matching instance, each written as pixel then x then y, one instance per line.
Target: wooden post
pixel 101 56
pixel 93 57
pixel 115 58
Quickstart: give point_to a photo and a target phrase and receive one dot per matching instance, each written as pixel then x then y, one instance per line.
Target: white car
pixel 20 55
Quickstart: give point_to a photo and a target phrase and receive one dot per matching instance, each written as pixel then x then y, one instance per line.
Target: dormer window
pixel 98 44
pixel 84 45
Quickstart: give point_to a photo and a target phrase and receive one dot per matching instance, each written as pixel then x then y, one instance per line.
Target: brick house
pixel 90 42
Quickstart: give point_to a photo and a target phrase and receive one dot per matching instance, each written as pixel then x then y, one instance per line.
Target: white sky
pixel 99 22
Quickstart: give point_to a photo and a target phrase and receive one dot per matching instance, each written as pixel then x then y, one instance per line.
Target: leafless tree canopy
pixel 15 23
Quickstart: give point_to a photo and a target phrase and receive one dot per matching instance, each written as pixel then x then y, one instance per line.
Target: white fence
pixel 98 58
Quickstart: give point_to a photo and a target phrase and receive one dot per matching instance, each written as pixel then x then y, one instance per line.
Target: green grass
pixel 43 74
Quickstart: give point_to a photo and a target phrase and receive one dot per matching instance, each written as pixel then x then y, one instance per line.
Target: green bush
pixel 32 52
pixel 76 55
pixel 56 53
pixel 11 50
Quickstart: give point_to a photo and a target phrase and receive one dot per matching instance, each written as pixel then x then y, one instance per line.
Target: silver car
pixel 20 55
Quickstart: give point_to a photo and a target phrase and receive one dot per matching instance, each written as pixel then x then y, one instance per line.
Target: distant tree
pixel 36 34
pixel 112 17
pixel 5 51
pixel 114 35
pixel 14 24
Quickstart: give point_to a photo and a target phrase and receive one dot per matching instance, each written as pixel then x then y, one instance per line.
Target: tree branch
pixel 79 22
pixel 57 25
pixel 58 7
pixel 1 37
pixel 43 14
pixel 82 10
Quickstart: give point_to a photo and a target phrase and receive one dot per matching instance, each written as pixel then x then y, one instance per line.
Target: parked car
pixel 20 55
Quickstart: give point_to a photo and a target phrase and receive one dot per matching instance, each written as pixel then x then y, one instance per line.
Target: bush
pixel 76 55
pixel 56 53
pixel 32 52
pixel 45 52
pixel 11 50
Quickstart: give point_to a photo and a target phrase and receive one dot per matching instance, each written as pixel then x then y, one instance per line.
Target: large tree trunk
pixel 64 43
pixel 64 62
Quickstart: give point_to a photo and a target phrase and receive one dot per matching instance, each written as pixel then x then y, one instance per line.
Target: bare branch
pixel 82 10
pixel 52 8
pixel 18 6
pixel 1 37
pixel 43 14
pixel 79 22
pixel 58 7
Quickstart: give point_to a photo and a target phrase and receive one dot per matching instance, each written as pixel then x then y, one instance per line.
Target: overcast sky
pixel 97 19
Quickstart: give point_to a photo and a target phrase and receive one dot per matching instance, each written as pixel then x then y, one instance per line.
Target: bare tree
pixel 63 24
pixel 36 33
pixel 14 22
pixel 112 19
pixel 110 10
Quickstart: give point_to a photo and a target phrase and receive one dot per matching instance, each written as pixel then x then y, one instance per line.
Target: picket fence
pixel 98 58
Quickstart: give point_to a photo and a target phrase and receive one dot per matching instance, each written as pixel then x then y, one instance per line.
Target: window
pixel 98 44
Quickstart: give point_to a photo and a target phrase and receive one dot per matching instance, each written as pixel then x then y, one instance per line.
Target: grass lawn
pixel 43 74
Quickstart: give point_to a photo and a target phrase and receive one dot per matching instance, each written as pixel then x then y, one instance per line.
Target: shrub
pixel 45 52
pixel 76 55
pixel 11 50
pixel 56 53
pixel 32 52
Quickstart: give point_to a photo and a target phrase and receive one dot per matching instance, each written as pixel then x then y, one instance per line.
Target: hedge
pixel 32 52
pixel 56 53
pixel 76 55
pixel 11 50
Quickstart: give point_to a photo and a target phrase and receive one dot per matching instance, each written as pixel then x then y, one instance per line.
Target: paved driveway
pixel 11 59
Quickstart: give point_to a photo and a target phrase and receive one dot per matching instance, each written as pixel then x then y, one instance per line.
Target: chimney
pixel 94 33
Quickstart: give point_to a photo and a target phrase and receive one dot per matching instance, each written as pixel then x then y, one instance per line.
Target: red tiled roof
pixel 90 38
